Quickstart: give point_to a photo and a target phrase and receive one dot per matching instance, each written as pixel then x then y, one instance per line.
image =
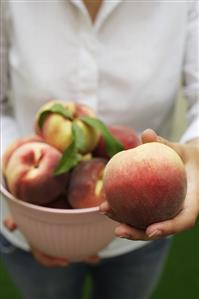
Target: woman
pixel 125 60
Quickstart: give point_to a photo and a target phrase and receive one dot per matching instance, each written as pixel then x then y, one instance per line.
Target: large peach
pixel 85 186
pixel 125 135
pixel 145 185
pixel 29 173
pixel 56 128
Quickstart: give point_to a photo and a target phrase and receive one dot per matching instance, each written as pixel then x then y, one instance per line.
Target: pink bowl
pixel 71 233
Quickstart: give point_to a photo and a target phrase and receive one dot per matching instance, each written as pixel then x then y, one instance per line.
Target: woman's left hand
pixel 187 218
pixel 44 259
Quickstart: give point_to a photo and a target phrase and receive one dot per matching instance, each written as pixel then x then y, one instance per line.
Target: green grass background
pixel 180 278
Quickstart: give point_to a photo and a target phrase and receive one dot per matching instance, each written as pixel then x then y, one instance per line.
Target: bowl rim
pixel 12 198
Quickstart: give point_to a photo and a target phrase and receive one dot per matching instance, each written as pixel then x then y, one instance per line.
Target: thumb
pixel 10 224
pixel 149 135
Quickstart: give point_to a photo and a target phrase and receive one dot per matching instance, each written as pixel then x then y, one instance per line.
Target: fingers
pixel 51 262
pixel 129 232
pixel 42 258
pixel 148 135
pixel 106 210
pixel 10 224
pixel 94 259
pixel 185 220
pixel 104 207
pixel 48 261
pixel 124 230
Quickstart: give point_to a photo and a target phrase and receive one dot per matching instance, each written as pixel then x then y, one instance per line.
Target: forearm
pixel 191 159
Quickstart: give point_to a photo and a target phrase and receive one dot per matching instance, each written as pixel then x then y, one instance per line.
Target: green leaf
pixel 78 135
pixel 113 146
pixel 70 158
pixel 56 108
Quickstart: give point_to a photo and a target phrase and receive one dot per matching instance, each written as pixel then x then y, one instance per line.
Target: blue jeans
pixel 128 276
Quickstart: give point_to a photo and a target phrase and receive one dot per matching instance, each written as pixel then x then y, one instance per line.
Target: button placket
pixel 88 66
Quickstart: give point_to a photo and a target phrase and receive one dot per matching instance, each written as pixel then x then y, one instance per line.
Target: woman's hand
pixel 186 219
pixel 44 259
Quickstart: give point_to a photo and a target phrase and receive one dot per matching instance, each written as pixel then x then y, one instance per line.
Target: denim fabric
pixel 128 276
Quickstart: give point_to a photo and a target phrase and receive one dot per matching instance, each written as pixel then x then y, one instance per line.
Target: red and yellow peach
pixel 145 185
pixel 57 129
pixel 29 172
pixel 85 187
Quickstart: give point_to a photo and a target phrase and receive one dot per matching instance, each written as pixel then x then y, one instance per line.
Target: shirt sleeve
pixel 191 73
pixel 9 130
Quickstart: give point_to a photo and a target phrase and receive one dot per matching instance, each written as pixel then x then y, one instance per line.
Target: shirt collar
pixel 107 8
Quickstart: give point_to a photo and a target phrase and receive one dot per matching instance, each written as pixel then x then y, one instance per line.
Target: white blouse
pixel 127 66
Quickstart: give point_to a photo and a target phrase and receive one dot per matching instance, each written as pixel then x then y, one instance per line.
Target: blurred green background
pixel 180 278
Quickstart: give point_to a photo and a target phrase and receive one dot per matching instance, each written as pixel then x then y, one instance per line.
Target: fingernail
pixel 121 235
pixel 154 234
pixel 125 237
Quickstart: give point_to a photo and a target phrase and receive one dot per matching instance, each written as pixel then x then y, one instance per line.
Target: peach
pixel 56 128
pixel 59 203
pixel 17 143
pixel 85 186
pixel 29 173
pixel 125 135
pixel 145 185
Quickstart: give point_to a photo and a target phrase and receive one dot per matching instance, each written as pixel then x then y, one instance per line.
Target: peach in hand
pixel 125 135
pixel 56 128
pixel 29 173
pixel 145 185
pixel 85 187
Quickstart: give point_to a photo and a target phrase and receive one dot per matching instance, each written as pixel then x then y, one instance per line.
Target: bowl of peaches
pixel 53 179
